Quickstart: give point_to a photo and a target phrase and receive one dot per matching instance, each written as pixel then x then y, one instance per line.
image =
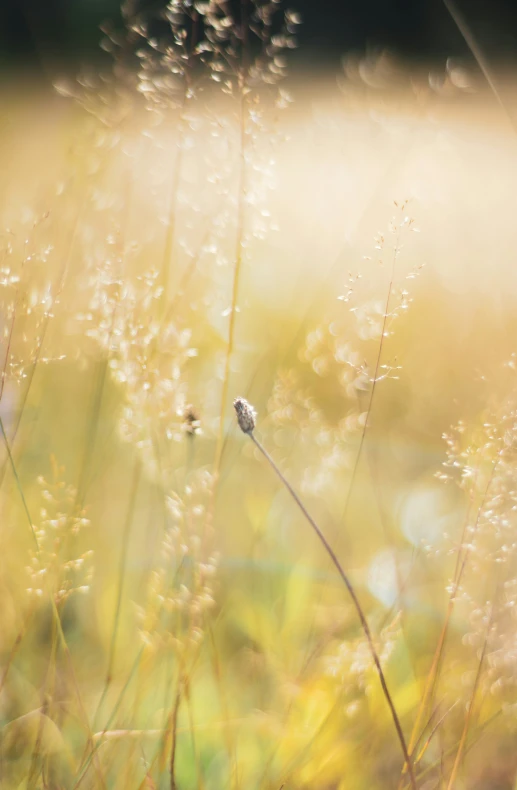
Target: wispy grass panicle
pixel 55 564
pixel 327 401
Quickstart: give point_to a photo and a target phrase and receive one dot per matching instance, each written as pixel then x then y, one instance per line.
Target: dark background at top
pixel 50 34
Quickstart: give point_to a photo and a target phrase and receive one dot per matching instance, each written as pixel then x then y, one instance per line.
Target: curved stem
pixel 359 609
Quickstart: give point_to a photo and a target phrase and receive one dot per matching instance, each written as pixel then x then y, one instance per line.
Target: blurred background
pixel 337 245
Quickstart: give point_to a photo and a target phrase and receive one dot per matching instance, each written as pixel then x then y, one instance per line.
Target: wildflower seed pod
pixel 246 415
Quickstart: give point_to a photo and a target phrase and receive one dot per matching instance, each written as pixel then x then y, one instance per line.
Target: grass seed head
pixel 246 415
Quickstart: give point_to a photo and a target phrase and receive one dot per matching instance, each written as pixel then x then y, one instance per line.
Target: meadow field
pixel 325 599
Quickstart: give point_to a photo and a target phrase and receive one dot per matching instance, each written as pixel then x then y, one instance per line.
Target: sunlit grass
pixel 168 619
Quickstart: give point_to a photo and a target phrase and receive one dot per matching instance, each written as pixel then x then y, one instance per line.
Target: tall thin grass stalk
pixel 480 730
pixel 170 237
pixel 174 734
pixel 367 420
pixel 17 642
pixel 95 742
pixel 230 746
pixel 98 393
pixel 168 248
pixel 46 698
pixel 468 717
pixel 466 32
pixel 241 193
pixel 193 740
pixel 168 730
pixel 246 418
pixel 434 730
pixel 126 535
pixel 103 364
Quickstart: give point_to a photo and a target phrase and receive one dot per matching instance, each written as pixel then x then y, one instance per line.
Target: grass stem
pixel 351 591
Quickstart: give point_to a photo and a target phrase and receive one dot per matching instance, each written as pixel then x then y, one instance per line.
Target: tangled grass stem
pixel 359 609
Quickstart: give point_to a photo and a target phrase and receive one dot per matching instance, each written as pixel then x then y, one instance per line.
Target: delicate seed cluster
pixel 59 566
pixel 342 365
pixel 180 588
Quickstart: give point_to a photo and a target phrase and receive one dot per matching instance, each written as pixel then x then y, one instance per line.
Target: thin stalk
pixel 170 726
pixel 367 420
pixel 122 569
pixel 17 642
pixel 390 538
pixel 355 600
pixel 126 534
pixel 238 242
pixel 100 381
pixel 463 27
pixel 103 363
pixel 96 740
pixel 468 717
pixel 433 674
pixel 159 758
pixel 170 237
pixel 478 735
pixel 230 746
pixel 173 207
pixel 47 693
pixel 193 741
pixel 174 734
pixel 433 732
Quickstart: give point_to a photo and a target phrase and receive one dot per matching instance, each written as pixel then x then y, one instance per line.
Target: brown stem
pixel 174 731
pixel 355 600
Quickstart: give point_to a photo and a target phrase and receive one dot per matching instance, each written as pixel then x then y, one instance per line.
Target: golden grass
pixel 214 645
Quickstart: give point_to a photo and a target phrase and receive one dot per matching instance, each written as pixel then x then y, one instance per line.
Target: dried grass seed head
pixel 246 415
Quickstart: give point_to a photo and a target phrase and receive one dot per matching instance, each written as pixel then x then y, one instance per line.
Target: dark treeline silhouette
pixel 31 31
